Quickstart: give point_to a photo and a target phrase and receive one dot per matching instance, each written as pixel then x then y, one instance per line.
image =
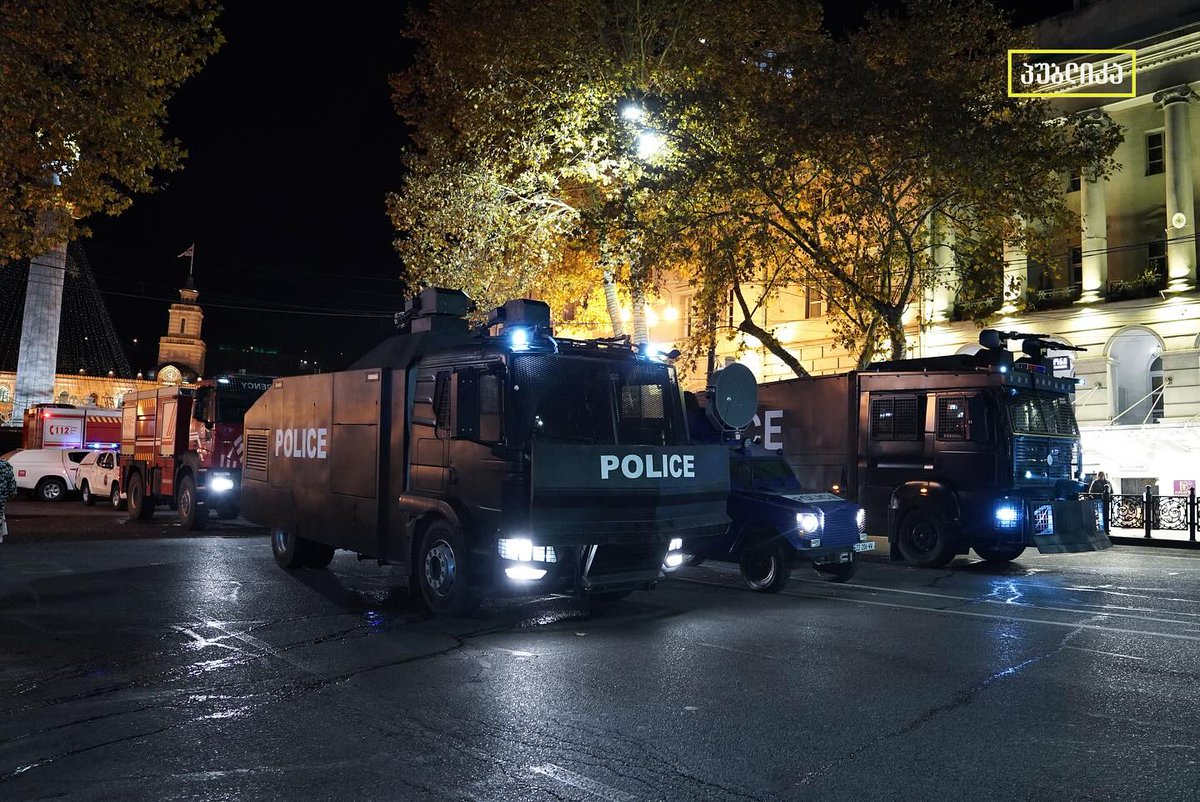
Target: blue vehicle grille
pixel 841 525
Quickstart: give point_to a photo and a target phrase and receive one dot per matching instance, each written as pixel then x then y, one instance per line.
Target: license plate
pixel 866 545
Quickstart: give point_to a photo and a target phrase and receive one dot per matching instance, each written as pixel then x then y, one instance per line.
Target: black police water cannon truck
pixel 498 461
pixel 970 451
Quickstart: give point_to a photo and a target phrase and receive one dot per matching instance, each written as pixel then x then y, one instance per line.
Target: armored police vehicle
pixel 945 454
pixel 776 522
pixel 485 462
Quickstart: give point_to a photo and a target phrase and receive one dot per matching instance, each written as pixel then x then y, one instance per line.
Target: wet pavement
pixel 194 668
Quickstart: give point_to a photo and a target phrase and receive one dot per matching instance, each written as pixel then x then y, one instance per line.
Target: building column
pixel 1093 214
pixel 1181 225
pixel 37 358
pixel 943 295
pixel 1016 277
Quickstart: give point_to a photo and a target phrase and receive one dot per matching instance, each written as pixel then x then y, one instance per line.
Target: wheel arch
pixel 933 496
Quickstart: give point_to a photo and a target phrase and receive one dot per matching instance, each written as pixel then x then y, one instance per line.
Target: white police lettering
pixel 302 443
pixel 650 466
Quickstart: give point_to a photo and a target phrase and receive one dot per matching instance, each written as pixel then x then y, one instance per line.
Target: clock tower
pixel 180 350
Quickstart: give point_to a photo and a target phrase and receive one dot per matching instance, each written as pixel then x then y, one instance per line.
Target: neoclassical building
pixel 1126 286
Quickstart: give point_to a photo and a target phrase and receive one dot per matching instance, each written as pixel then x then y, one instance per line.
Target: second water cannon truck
pixel 485 462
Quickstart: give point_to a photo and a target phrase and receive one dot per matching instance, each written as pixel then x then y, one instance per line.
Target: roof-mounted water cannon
pixel 1034 346
pixel 731 398
pixel 435 309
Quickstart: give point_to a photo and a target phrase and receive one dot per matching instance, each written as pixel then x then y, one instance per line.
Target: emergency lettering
pixel 650 466
pixel 302 443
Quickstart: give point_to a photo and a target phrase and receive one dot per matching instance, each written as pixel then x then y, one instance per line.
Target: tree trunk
pixel 613 304
pixel 641 334
pixel 896 336
pixel 774 346
pixel 867 351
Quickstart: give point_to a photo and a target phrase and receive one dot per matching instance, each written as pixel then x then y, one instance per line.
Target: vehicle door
pixel 896 448
pixel 71 463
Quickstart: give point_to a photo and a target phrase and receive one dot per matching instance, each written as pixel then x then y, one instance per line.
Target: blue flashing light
pixel 518 339
pixel 1004 369
pixel 222 380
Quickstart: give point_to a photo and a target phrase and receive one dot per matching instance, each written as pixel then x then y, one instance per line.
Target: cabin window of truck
pixel 952 422
pixel 894 418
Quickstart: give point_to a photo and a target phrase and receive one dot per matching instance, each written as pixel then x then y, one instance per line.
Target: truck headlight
pixel 1006 516
pixel 860 518
pixel 521 549
pixel 676 544
pixel 220 484
pixel 808 522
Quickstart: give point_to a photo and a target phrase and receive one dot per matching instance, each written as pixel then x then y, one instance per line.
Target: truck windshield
pixel 580 400
pixel 1032 412
pixel 231 407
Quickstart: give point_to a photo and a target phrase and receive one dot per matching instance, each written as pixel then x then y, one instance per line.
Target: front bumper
pixel 579 570
pixel 834 554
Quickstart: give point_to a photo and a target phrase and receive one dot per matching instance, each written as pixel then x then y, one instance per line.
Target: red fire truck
pixel 68 426
pixel 182 447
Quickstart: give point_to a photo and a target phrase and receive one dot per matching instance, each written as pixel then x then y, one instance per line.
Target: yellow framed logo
pixel 1106 74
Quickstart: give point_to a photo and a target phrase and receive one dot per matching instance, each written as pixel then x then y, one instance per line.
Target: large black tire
pixel 924 540
pixel 85 491
pixel 52 488
pixel 114 498
pixel 140 505
pixel 767 566
pixel 441 570
pixel 837 572
pixel 193 516
pixel 999 553
pixel 292 551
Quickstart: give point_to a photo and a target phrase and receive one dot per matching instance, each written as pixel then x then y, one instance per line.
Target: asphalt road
pixel 193 668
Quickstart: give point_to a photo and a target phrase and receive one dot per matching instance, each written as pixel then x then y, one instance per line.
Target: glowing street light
pixel 632 112
pixel 649 143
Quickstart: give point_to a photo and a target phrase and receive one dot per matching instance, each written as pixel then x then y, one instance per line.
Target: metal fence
pixel 1149 512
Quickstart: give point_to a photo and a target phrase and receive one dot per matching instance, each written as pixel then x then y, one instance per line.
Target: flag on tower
pixel 191 251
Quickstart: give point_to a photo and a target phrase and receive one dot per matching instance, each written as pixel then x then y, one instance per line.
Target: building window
pixel 1136 377
pixel 1156 387
pixel 686 302
pixel 732 303
pixel 814 303
pixel 1076 266
pixel 182 325
pixel 1156 257
pixel 1074 181
pixel 1155 160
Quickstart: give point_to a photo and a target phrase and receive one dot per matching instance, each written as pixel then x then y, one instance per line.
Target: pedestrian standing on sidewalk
pixel 8 487
pixel 1100 485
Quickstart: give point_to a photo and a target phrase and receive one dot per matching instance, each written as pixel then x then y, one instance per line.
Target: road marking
pixel 1081 610
pixel 969 614
pixel 585 784
pixel 1110 654
pixel 736 651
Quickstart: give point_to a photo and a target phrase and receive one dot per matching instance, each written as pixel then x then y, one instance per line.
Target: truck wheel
pixel 86 492
pixel 767 566
pixel 114 498
pixel 141 506
pixel 192 514
pixel 50 489
pixel 292 551
pixel 997 553
pixel 441 564
pixel 837 572
pixel 924 540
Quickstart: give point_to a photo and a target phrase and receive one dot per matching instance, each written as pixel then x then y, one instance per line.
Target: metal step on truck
pixel 495 461
pixel 945 454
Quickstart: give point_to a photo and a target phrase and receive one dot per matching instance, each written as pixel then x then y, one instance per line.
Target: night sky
pixel 293 144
